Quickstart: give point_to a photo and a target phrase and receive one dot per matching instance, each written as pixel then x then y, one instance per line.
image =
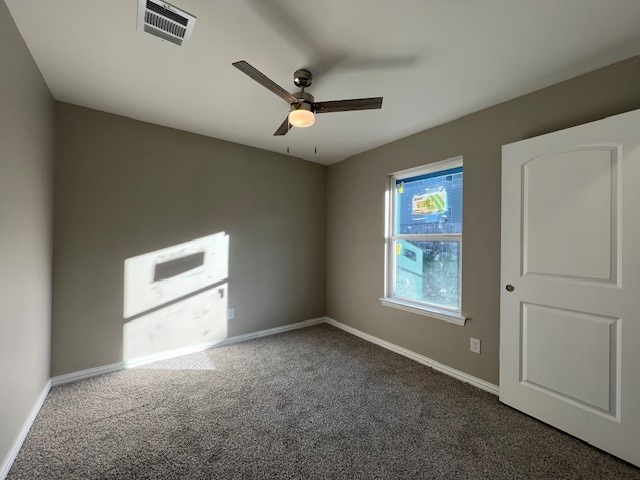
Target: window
pixel 424 241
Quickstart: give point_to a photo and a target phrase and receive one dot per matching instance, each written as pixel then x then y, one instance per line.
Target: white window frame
pixel 451 315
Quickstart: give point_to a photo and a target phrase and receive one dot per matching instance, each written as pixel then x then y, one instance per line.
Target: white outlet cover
pixel 231 313
pixel 474 345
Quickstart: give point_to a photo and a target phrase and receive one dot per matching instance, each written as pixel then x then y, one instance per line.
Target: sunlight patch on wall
pixel 193 321
pixel 161 302
pixel 155 278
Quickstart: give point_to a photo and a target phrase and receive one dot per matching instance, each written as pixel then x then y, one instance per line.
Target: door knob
pixel 509 288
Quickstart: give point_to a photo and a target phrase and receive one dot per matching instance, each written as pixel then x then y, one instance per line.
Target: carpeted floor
pixel 311 403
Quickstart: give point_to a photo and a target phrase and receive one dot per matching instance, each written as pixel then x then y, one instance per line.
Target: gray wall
pixel 356 214
pixel 124 187
pixel 26 160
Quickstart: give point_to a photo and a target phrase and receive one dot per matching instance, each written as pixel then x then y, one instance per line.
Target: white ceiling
pixel 431 60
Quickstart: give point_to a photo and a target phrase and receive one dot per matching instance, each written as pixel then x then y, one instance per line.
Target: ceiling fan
pixel 303 108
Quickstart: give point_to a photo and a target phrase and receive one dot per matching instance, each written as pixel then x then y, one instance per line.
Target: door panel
pixel 570 328
pixel 570 354
pixel 587 176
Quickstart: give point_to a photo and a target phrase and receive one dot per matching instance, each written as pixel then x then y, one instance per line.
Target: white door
pixel 570 293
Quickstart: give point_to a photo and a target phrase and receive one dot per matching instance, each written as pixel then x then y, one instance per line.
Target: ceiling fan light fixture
pixel 301 116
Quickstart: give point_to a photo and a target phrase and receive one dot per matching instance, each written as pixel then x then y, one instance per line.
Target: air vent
pixel 165 21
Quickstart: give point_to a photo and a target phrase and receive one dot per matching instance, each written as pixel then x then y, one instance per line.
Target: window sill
pixel 432 312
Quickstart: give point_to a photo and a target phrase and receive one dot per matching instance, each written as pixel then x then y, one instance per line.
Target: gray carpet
pixel 311 403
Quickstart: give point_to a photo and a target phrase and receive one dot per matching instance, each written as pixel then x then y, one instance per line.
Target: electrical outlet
pixel 474 345
pixel 231 313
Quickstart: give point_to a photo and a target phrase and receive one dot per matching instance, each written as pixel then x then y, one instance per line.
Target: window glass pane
pixel 428 272
pixel 430 203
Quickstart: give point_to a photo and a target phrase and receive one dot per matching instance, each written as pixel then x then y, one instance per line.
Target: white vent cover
pixel 165 21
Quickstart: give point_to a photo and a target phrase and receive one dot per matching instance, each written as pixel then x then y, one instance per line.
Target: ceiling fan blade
pixel 348 105
pixel 284 128
pixel 265 81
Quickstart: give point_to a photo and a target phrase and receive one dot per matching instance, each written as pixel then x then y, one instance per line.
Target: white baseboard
pixel 271 331
pixel 452 372
pixel 136 362
pixel 154 357
pixel 6 464
pixel 88 373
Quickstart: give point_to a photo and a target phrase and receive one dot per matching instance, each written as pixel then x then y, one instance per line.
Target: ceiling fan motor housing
pixel 302 78
pixel 305 104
